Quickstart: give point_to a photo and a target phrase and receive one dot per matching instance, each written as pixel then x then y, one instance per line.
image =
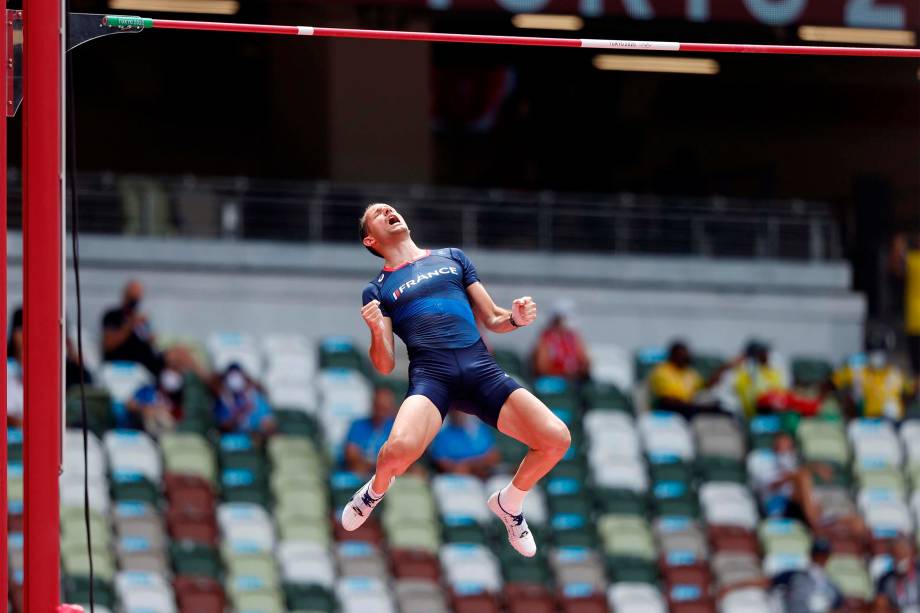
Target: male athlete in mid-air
pixel 431 300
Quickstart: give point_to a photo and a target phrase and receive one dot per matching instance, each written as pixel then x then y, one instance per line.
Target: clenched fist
pixel 372 314
pixel 524 311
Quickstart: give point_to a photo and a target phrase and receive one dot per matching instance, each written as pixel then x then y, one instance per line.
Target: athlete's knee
pixel 400 451
pixel 556 439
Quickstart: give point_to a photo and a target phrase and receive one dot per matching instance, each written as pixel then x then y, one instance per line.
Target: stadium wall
pixel 195 287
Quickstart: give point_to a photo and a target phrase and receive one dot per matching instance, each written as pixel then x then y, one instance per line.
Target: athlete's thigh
pixel 525 418
pixel 417 422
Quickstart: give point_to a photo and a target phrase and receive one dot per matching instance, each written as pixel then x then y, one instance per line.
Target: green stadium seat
pixel 14 445
pixel 463 530
pixel 294 422
pixel 626 535
pixel 417 535
pixel 310 532
pixel 671 471
pixel 605 396
pixel 620 502
pixel 511 451
pixel 707 365
pixel 188 453
pixel 810 372
pixel 133 487
pixel 76 564
pixel 823 440
pixel 309 598
pixel 850 574
pixel 572 530
pixel 195 559
pixel 557 393
pixel 313 504
pixel 259 601
pixel 511 362
pixel 77 589
pixel 784 536
pixel 339 352
pixel 887 478
pixel 762 429
pixel 721 469
pixel 99 413
pixel 260 566
pixel 631 569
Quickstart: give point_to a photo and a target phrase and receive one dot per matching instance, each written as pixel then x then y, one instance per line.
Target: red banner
pixel 895 14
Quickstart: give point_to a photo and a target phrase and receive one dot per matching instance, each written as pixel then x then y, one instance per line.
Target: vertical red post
pixel 42 307
pixel 4 506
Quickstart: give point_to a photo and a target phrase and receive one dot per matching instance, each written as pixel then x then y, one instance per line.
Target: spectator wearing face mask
pixel 560 350
pixel 240 405
pixel 784 486
pixel 158 407
pixel 755 377
pixel 899 588
pixel 126 332
pixel 875 388
pixel 674 384
pixel 810 590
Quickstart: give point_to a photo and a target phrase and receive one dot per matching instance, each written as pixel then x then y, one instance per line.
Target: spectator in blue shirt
pixel 241 406
pixel 464 446
pixel 366 436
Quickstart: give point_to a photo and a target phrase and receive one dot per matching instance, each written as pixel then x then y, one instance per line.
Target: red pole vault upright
pixel 42 189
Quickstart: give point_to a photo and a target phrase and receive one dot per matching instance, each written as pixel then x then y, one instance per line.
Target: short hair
pixel 362 229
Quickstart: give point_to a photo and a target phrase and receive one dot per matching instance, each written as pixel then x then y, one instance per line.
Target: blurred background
pixel 764 211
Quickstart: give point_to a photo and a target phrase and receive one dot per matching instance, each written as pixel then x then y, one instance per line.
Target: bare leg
pixel 417 423
pixel 524 418
pixel 804 495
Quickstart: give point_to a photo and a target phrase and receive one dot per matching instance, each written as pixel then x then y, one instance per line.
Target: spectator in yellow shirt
pixel 674 383
pixel 876 388
pixel 755 377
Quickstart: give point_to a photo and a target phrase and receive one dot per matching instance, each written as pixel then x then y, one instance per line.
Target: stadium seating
pixel 647 512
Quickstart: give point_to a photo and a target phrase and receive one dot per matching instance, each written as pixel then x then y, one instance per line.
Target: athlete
pixel 431 300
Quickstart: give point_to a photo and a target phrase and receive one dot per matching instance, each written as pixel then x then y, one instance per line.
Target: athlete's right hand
pixel 372 314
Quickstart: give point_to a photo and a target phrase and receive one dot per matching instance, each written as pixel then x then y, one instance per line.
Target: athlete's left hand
pixel 524 311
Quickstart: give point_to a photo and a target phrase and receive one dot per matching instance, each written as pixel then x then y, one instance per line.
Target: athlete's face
pixel 383 223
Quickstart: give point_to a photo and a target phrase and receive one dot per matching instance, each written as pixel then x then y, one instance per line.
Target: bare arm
pixel 381 350
pixel 494 317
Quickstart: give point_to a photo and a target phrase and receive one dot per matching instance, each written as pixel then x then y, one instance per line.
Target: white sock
pixel 511 499
pixel 370 488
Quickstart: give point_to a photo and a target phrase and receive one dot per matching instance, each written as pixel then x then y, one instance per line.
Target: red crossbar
pixel 591 43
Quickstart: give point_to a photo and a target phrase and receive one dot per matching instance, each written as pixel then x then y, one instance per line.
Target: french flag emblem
pixel 397 294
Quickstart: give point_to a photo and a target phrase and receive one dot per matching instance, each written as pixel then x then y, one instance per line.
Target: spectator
pixel 674 384
pixel 755 377
pixel 464 446
pixel 366 436
pixel 240 405
pixel 904 264
pixel 810 590
pixel 157 407
pixel 14 340
pixel 899 588
pixel 14 394
pixel 877 388
pixel 560 351
pixel 785 486
pixel 74 371
pixel 126 332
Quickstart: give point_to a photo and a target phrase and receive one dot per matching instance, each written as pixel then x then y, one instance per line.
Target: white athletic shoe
pixel 359 509
pixel 519 534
